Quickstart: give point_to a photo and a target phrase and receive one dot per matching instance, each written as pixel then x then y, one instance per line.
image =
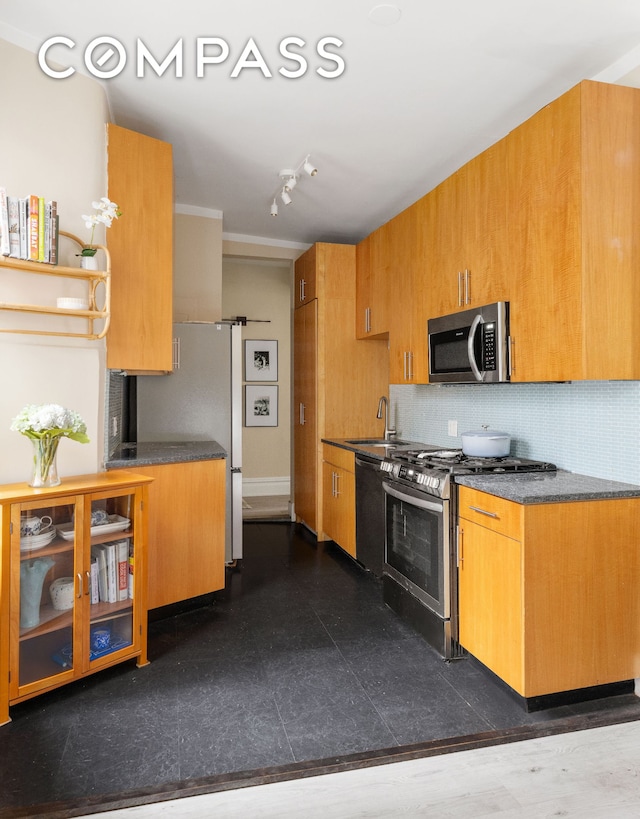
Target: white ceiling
pixel 417 98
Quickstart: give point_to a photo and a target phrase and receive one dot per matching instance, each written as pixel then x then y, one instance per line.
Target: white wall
pixel 53 144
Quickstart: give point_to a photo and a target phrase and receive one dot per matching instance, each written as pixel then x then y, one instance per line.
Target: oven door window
pixel 416 550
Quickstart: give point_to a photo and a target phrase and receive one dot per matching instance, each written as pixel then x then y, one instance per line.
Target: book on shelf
pixel 95 589
pixel 131 578
pixel 41 226
pixel 112 572
pixel 14 226
pixel 101 556
pixel 33 228
pixel 23 208
pixel 4 223
pixel 122 548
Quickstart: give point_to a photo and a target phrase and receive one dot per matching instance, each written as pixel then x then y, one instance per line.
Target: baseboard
pixel 257 487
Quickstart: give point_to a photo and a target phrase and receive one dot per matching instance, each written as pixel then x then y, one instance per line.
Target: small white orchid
pixel 106 212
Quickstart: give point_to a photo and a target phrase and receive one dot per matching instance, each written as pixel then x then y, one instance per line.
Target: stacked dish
pixel 43 538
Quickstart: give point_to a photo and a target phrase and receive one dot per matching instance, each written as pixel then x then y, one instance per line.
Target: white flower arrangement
pixel 45 425
pixel 106 212
pixel 50 420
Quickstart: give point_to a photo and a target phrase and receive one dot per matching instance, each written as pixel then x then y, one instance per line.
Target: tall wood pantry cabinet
pixel 140 171
pixel 337 380
pixel 73 590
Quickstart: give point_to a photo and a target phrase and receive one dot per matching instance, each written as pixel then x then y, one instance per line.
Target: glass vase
pixel 45 467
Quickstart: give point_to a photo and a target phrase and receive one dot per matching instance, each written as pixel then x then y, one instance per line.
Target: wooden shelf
pixel 93 278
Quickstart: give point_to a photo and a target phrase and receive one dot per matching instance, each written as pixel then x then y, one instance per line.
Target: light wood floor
pixel 587 774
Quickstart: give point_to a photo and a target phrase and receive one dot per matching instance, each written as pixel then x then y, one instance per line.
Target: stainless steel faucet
pixel 389 432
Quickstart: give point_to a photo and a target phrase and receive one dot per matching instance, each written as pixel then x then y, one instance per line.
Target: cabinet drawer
pixel 493 513
pixel 337 456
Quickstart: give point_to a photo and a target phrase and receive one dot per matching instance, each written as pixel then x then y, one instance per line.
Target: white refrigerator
pixel 201 400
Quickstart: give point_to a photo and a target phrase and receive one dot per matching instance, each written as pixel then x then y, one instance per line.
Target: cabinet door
pixel 490 600
pixel 446 289
pixel 305 414
pixel 411 241
pixel 372 286
pixel 545 243
pixel 186 530
pixel 113 594
pixel 486 256
pixel 141 247
pixel 46 595
pixel 339 506
pixel 305 277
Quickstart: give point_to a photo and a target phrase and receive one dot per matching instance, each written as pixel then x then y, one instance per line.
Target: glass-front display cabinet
pixel 73 580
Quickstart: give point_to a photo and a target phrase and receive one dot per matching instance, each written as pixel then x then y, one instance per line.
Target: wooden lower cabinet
pixel 339 497
pixel 73 592
pixel 549 592
pixel 186 530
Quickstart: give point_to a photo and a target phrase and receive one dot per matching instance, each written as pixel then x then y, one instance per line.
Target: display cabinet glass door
pixel 108 588
pixel 45 589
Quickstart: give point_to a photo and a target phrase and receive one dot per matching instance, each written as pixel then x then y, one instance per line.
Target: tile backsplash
pixel 590 427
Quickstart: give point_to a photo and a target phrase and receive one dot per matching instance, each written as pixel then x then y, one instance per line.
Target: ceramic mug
pixel 32 525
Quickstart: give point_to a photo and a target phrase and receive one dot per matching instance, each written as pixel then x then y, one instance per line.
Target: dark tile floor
pixel 299 659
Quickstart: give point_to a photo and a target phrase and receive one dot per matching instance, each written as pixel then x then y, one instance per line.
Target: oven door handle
pixel 477 321
pixel 419 502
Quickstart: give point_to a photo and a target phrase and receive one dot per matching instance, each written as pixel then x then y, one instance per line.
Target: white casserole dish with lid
pixel 485 443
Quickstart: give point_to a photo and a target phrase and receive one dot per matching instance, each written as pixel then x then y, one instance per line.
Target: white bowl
pixel 72 304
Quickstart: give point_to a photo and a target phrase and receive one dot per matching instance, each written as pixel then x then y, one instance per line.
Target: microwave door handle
pixel 478 320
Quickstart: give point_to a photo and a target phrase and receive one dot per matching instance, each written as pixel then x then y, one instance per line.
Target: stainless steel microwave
pixel 470 346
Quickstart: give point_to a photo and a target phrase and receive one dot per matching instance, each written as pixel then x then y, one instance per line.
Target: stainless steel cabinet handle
pixel 367 320
pixel 467 287
pixel 302 289
pixel 409 365
pixel 176 353
pixel 302 420
pixel 484 512
pixel 337 477
pixel 460 547
pixel 460 302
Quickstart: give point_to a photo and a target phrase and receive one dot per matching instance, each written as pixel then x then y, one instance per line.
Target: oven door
pixel 417 545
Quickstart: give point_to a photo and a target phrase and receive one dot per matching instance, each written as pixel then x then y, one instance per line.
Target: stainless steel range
pixel 420 578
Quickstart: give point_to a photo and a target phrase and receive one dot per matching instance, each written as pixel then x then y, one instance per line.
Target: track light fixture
pixel 309 168
pixel 289 179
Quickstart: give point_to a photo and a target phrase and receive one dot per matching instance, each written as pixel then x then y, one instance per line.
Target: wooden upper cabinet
pixel 408 268
pixel 470 250
pixel 140 242
pixel 305 278
pixel 574 211
pixel 373 284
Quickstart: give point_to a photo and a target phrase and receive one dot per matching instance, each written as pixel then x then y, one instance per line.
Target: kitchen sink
pixel 377 442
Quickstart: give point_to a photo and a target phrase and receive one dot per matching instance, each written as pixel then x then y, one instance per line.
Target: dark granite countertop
pixel 150 453
pixel 377 451
pixel 549 487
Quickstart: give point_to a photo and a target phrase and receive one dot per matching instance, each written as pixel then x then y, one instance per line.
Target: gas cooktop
pixel 431 470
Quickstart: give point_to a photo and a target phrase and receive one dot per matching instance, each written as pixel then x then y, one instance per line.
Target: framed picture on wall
pixel 260 360
pixel 261 406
